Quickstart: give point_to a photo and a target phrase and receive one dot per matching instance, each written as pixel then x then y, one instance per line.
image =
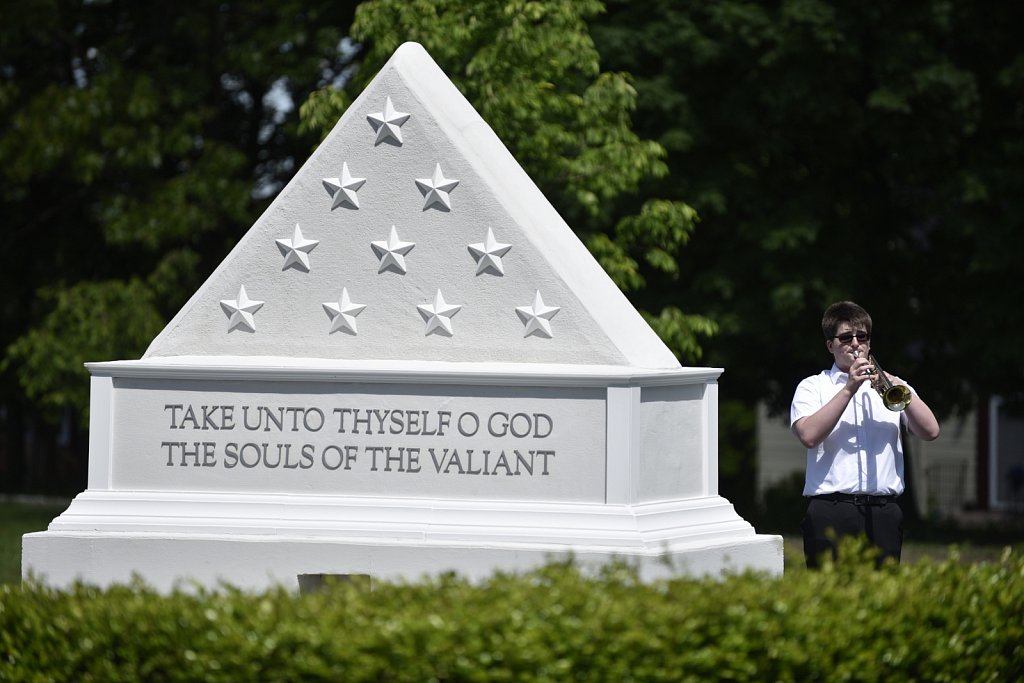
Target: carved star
pixel 388 123
pixel 392 252
pixel 296 250
pixel 240 311
pixel 343 190
pixel 435 190
pixel 438 315
pixel 343 314
pixel 537 317
pixel 488 254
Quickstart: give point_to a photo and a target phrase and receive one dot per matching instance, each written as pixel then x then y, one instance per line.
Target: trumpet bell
pixel 896 397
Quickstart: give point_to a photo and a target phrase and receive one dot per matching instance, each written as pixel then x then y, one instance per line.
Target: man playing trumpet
pixel 855 468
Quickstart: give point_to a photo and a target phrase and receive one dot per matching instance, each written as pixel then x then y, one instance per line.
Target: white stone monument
pixel 409 364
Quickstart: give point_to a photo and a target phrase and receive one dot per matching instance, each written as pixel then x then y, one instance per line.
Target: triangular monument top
pixel 412 234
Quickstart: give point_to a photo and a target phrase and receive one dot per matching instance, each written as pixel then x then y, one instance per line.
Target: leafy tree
pixel 869 151
pixel 138 142
pixel 531 70
pixel 837 150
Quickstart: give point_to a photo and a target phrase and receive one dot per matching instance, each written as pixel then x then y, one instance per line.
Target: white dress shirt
pixel 863 453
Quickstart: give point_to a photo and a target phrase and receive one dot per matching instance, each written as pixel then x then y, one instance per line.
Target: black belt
pixel 856 498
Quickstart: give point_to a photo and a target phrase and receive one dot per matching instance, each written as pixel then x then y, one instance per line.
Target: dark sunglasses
pixel 847 337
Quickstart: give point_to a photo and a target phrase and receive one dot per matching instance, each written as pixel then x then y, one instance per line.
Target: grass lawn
pixel 915 551
pixel 17 519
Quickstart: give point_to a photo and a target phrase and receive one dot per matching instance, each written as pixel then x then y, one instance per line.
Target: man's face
pixel 847 342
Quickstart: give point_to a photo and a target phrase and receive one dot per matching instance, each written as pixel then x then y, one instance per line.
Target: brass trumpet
pixel 896 397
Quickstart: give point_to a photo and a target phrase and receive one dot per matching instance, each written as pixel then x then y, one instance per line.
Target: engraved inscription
pixel 252 422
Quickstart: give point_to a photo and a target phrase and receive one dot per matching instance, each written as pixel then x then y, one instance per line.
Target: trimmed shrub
pixel 932 621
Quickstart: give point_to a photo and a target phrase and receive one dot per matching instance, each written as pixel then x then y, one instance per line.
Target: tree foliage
pixel 138 141
pixel 832 150
pixel 840 150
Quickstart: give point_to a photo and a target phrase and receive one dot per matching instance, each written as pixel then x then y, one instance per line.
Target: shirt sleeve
pixel 806 400
pixel 904 419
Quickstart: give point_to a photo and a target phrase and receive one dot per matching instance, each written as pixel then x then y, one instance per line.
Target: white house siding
pixel 945 470
pixel 779 454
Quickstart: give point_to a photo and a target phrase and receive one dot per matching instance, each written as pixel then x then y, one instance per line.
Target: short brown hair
pixel 844 312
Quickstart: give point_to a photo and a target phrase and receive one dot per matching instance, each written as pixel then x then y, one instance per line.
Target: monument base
pixel 258 541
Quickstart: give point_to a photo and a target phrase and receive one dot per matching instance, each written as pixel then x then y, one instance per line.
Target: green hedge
pixel 928 622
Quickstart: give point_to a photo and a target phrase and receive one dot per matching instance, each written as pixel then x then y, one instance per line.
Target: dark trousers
pixel 827 521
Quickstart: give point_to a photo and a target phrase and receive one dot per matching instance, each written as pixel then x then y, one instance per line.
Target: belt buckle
pixel 863 499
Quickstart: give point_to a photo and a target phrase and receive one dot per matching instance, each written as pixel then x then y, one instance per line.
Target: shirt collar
pixel 836 375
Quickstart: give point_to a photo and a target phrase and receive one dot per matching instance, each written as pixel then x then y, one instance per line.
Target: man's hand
pixel 860 371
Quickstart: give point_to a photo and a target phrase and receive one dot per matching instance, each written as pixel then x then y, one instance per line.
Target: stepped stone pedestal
pixel 408 365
